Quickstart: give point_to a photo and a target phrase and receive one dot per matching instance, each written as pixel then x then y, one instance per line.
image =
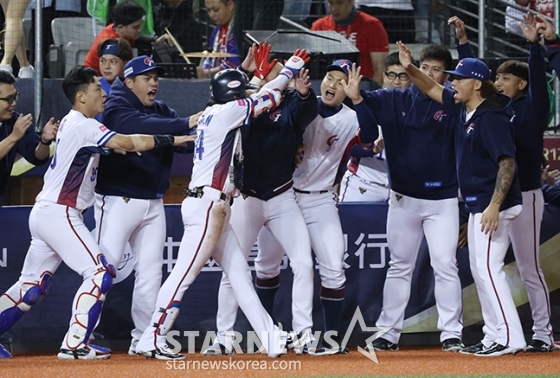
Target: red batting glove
pixel 261 58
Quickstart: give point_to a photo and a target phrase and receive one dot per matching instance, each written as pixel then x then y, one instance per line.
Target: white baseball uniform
pixel 56 223
pixel 206 217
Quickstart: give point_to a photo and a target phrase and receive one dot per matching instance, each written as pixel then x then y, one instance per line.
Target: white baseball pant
pixel 525 234
pixel 486 256
pixel 282 220
pixel 356 189
pixel 140 222
pixel 408 220
pixel 197 245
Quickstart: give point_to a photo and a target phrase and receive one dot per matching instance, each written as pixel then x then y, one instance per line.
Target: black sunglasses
pixel 10 99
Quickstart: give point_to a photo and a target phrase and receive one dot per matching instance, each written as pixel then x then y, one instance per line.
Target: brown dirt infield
pixel 410 361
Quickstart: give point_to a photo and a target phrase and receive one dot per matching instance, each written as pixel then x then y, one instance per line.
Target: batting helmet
pixel 229 84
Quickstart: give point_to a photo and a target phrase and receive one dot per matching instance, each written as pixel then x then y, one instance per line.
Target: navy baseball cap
pixel 141 64
pixel 471 68
pixel 342 65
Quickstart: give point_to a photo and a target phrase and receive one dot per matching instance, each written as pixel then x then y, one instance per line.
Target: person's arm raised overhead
pixel 425 83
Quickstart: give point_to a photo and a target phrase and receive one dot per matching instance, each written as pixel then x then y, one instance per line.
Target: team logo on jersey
pixel 470 128
pixel 398 197
pixel 275 116
pixel 362 190
pixel 103 128
pixel 438 116
pixel 331 140
pixel 126 199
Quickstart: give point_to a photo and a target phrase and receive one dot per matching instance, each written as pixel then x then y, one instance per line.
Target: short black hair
pixel 516 68
pixel 123 47
pixel 439 53
pixel 126 13
pixel 78 78
pixel 6 78
pixel 392 60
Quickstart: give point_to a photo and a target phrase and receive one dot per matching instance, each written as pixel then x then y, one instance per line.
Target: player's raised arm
pixel 368 123
pixel 140 142
pixel 425 83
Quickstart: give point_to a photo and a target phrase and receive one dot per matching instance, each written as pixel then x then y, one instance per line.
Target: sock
pixel 266 289
pixel 332 300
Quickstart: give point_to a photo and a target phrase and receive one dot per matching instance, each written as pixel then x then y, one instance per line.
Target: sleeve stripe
pixel 105 138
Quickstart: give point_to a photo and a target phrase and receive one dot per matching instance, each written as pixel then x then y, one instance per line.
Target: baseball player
pixel 218 159
pixel 552 42
pixel 526 85
pixel 269 204
pixel 130 188
pixel 113 54
pixel 485 155
pixel 56 221
pixel 367 178
pixel 418 136
pixel 328 140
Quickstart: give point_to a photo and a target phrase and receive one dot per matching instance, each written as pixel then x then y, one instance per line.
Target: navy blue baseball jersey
pixel 130 175
pixel 418 136
pixel 270 144
pixel 531 113
pixel 480 142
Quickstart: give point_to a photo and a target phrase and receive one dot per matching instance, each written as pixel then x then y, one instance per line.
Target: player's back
pixel 215 142
pixel 71 176
pixel 328 141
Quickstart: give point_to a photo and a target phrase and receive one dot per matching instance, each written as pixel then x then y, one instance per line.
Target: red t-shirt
pixel 545 7
pixel 366 33
pixel 92 59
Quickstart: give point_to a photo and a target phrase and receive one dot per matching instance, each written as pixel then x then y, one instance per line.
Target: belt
pixel 209 193
pixel 311 192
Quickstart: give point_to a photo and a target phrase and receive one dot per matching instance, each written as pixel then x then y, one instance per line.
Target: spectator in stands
pixel 364 31
pixel 51 9
pixel 222 39
pixel 113 53
pixel 127 22
pixel 178 17
pixel 544 7
pixel 17 134
pixel 297 11
pixel 14 40
pixel 255 15
pixel 397 16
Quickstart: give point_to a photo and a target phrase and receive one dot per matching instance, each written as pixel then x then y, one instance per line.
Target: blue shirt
pixel 270 144
pixel 480 142
pixel 419 142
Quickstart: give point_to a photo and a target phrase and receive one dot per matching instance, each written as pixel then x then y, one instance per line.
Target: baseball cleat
pixel 163 353
pixel 87 352
pixel 538 346
pixel 473 348
pixel 452 345
pixel 381 344
pixel 4 352
pixel 216 349
pixel 305 342
pixel 496 350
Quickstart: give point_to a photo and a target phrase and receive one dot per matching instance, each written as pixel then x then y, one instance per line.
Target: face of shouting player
pixel 510 84
pixel 465 88
pixel 144 86
pixel 332 88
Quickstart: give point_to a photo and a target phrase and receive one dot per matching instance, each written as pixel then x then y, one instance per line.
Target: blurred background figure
pixel 255 15
pixel 397 17
pixel 14 41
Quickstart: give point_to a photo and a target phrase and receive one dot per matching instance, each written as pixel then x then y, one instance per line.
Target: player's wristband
pixel 163 140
